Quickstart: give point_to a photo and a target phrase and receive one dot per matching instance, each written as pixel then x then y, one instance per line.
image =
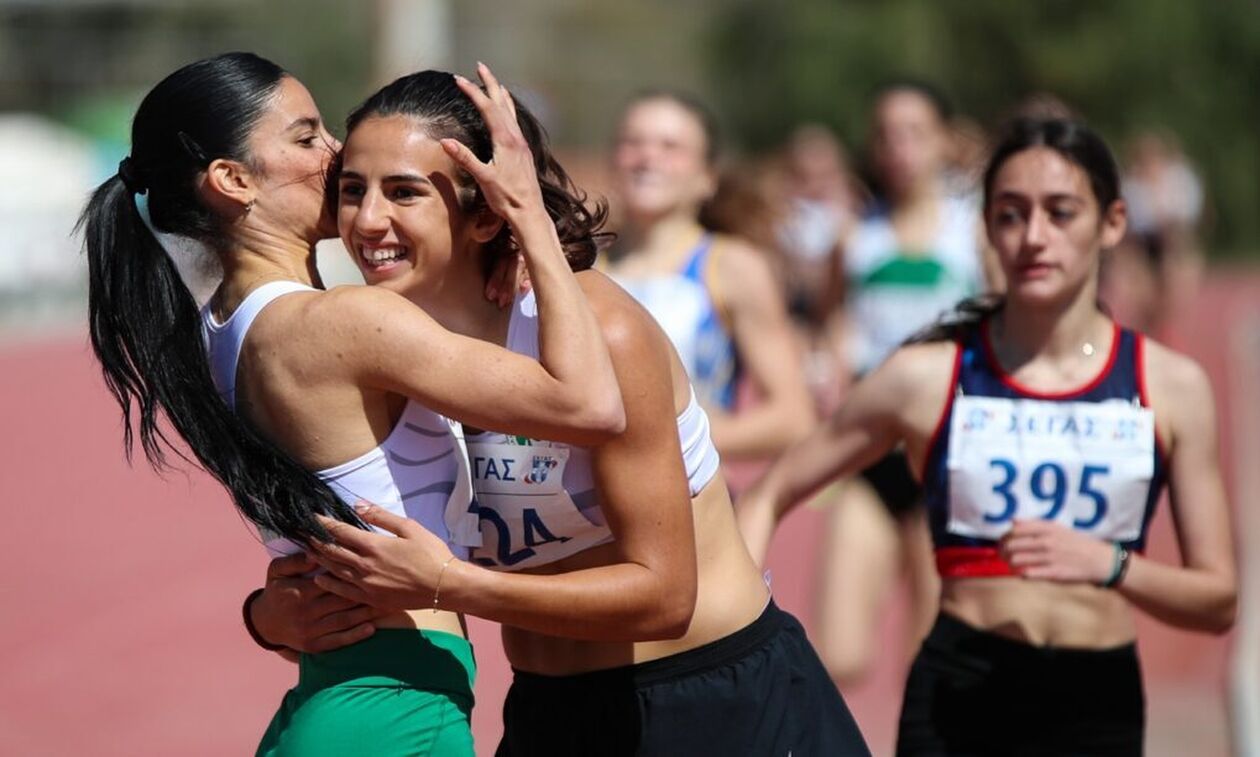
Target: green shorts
pixel 400 692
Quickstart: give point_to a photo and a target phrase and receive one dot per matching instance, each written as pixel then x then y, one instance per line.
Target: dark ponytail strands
pixel 144 324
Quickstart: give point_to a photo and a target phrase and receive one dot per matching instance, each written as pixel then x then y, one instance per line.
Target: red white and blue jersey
pixel 1089 459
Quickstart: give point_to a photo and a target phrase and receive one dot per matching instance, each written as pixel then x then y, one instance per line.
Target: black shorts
pixel 896 486
pixel 971 692
pixel 760 691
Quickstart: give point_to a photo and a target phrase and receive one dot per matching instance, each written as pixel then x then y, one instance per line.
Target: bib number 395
pixel 1048 484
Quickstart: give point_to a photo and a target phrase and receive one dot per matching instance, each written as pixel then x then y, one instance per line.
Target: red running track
pixel 120 632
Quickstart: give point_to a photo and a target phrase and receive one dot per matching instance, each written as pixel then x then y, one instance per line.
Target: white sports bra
pixel 536 499
pixel 420 471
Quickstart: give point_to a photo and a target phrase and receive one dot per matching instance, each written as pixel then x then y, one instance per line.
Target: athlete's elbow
pixel 1224 614
pixel 1217 615
pixel 673 619
pixel 600 417
pixel 608 416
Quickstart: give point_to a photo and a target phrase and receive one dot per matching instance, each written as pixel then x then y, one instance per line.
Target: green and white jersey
pixel 894 292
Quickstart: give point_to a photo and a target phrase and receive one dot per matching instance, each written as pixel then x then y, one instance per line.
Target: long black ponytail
pixel 144 324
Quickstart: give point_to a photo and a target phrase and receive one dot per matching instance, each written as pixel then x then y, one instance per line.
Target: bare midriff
pixel 730 595
pixel 426 620
pixel 1041 613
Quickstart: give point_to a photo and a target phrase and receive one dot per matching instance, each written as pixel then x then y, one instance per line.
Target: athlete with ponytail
pixel 633 617
pixel 1043 434
pixel 302 401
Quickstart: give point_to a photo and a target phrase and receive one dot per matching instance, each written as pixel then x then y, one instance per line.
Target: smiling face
pixel 908 140
pixel 1046 225
pixel 660 159
pixel 400 209
pixel 290 151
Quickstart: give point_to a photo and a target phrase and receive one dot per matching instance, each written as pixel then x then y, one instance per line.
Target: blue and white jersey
pixel 684 306
pixel 1088 459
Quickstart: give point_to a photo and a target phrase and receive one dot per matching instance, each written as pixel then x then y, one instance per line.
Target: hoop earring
pixel 249 206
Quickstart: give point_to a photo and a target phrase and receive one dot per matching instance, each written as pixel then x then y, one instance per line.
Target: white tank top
pixel 895 292
pixel 537 499
pixel 420 471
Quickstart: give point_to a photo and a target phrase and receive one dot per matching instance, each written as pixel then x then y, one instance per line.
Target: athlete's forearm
pixel 622 602
pixel 803 469
pixel 761 431
pixel 1197 599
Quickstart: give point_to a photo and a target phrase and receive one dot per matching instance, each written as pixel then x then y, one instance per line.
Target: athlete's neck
pixel 1062 333
pixel 459 303
pixel 664 240
pixel 245 268
pixel 915 215
pixel 914 197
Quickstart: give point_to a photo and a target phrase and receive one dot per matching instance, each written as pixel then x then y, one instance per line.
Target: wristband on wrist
pixel 1119 566
pixel 249 624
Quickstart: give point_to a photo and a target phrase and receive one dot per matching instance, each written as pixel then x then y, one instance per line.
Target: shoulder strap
pixel 702 268
pixel 224 340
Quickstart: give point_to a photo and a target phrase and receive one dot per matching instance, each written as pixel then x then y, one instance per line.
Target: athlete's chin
pixel 392 276
pixel 1039 291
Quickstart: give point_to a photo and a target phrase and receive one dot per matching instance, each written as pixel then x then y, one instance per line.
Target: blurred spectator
pixel 823 199
pixel 913 255
pixel 744 205
pixel 714 294
pixel 1161 189
pixel 1155 274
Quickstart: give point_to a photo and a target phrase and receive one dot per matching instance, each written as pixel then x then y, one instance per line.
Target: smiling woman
pixel 631 612
pixel 302 401
pixel 1038 537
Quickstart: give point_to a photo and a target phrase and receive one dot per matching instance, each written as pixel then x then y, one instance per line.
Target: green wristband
pixel 1119 566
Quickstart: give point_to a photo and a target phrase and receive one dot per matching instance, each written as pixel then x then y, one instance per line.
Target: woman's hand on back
pixel 397 573
pixel 292 610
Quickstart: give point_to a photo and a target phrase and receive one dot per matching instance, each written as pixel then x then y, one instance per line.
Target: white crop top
pixel 420 471
pixel 536 499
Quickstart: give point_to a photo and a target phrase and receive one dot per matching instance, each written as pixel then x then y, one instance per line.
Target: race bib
pixel 1085 465
pixel 527 517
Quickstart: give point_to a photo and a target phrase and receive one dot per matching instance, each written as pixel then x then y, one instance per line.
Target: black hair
pixel 144 324
pixel 1073 141
pixel 444 111
pixel 704 115
pixel 933 94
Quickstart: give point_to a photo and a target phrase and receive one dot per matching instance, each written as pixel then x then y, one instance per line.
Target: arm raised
pixel 386 342
pixel 649 593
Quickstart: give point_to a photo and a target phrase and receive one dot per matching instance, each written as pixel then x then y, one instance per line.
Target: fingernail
pixel 361 508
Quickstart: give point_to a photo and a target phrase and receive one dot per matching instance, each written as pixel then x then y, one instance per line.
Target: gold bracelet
pixel 438 586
